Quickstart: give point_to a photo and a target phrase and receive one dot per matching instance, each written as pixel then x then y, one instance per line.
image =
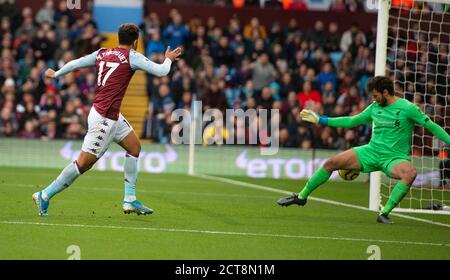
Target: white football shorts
pixel 102 132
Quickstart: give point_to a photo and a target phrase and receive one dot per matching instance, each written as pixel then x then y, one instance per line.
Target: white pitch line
pixel 214 232
pixel 259 187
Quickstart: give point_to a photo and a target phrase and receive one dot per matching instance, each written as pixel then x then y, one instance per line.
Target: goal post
pixel 380 70
pixel 413 48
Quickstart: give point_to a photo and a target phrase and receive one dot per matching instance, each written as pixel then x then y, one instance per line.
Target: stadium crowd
pixel 288 68
pixel 352 6
pixel 249 66
pixel 235 66
pixel 32 41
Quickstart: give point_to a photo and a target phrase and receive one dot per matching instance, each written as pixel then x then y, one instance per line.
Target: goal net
pixel 417 38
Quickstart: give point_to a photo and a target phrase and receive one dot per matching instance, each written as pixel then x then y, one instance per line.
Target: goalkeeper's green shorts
pixel 371 160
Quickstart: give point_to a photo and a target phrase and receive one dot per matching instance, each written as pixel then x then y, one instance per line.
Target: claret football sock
pixel 65 178
pixel 397 194
pixel 131 170
pixel 318 178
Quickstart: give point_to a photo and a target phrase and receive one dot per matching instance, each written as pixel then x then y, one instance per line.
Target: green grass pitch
pixel 198 218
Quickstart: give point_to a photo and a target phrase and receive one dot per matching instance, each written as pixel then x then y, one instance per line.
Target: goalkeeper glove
pixel 313 117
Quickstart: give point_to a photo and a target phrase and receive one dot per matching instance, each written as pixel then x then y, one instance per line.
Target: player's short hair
pixel 380 83
pixel 128 33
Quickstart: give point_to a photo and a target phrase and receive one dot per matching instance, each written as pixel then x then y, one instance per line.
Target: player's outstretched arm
pixel 346 122
pixel 85 61
pixel 139 61
pixel 423 119
pixel 438 131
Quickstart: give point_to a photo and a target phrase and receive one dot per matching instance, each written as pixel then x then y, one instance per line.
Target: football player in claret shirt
pixel 115 67
pixel 389 150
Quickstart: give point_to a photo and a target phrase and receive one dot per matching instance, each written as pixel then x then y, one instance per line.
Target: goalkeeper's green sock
pixel 398 193
pixel 318 178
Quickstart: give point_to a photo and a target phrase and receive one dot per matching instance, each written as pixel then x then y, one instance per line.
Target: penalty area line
pixel 231 233
pixel 327 201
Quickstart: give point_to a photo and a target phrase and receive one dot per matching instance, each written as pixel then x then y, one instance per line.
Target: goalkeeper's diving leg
pixel 403 171
pixel 345 160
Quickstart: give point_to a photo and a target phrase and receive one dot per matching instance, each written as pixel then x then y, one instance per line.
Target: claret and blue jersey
pixel 117 66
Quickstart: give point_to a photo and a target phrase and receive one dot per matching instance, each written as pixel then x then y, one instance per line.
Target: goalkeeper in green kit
pixel 393 120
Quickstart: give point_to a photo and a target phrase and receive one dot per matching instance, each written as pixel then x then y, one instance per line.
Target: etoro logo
pixel 293 168
pixel 152 162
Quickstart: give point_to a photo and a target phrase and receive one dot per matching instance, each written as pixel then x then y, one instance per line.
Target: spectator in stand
pixel 8 121
pixel 8 8
pixel 247 92
pixel 289 104
pixel 28 114
pixel 349 99
pixel 151 26
pixel 333 38
pixel 254 30
pixel 214 98
pixel 155 46
pixel 46 13
pixel 329 97
pixel 87 83
pixel 87 19
pixel 304 136
pixel 317 34
pixel 26 23
pixel 327 75
pixel 42 46
pixel 49 131
pixel 286 85
pixel 164 106
pixel 176 33
pixel 50 100
pixel 75 129
pixel 309 98
pixel 349 36
pixel 88 41
pixel 29 131
pixel 265 101
pixel 63 13
pixel 223 54
pixel 5 26
pixel 327 138
pixel 67 115
pixel 262 72
pixel 186 101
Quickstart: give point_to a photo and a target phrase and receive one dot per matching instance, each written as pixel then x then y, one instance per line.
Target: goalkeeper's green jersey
pixel 393 126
